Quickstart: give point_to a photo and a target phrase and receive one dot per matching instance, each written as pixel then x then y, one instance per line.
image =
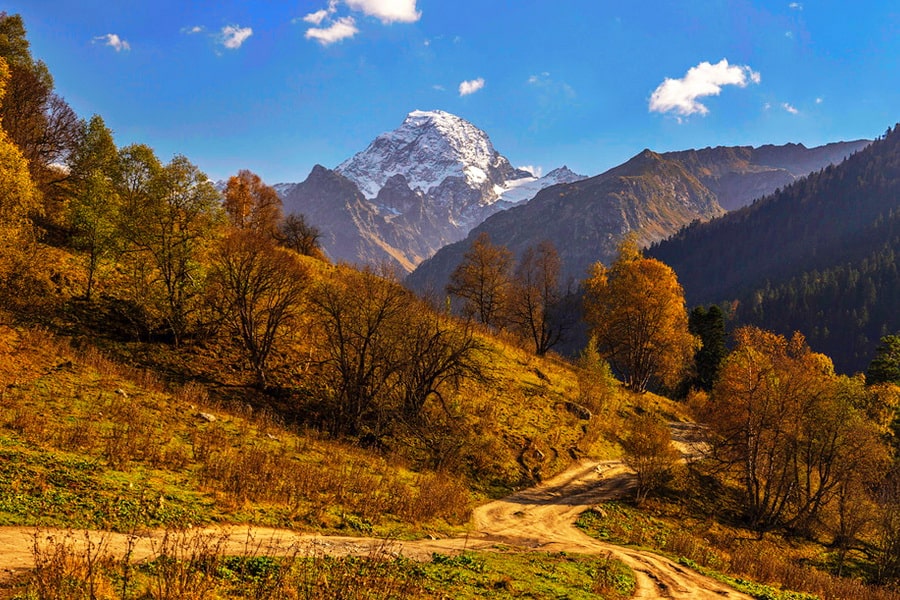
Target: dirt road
pixel 540 518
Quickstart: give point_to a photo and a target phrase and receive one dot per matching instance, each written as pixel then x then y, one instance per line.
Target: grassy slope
pixel 87 442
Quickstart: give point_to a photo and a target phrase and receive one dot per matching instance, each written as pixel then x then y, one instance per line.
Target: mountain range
pixel 413 195
pixel 653 195
pixel 412 191
pixel 819 257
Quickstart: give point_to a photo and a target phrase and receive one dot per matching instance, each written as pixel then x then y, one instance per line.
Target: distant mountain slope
pixel 412 191
pixel 818 256
pixel 585 220
pixel 352 230
pixel 738 175
pixel 652 194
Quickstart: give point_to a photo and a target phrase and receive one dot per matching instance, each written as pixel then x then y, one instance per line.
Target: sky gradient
pixel 276 87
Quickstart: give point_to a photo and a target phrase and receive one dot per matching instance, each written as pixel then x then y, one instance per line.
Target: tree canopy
pixel 635 309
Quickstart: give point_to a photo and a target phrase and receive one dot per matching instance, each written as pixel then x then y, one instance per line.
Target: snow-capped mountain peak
pixel 428 148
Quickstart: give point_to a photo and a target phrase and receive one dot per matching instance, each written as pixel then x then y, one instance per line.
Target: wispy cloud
pixel 795 6
pixel 535 170
pixel 681 95
pixel 790 108
pixel 387 11
pixel 233 36
pixel 549 89
pixel 819 100
pixel 113 41
pixel 471 86
pixel 192 30
pixel 316 18
pixel 439 88
pixel 343 28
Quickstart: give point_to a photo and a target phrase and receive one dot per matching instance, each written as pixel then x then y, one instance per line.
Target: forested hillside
pixel 817 256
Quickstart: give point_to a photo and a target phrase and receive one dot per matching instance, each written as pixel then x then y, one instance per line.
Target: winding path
pixel 540 518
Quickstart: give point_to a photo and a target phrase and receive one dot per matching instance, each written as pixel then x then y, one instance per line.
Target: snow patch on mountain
pixel 526 188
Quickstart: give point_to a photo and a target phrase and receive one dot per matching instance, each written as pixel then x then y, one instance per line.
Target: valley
pixel 434 369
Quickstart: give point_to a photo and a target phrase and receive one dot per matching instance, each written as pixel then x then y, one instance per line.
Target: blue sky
pixel 277 87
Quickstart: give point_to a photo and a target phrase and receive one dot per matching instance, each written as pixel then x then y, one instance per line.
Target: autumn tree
pixel 168 219
pixel 17 194
pixel 386 354
pixel 537 305
pixel 362 316
pixel 887 558
pixel 301 237
pixel 93 205
pixel 18 199
pixel 437 355
pixel 483 281
pixel 258 290
pixel 789 429
pixel 635 309
pixel 251 204
pixel 649 452
pixel 39 122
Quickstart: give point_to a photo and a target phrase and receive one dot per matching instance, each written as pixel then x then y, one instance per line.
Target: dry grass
pixel 66 403
pixel 192 565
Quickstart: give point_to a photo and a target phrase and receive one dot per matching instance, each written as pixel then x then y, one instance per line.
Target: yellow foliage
pixel 636 310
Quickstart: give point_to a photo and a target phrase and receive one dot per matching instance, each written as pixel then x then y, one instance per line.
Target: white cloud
pixel 192 30
pixel 767 106
pixel 819 100
pixel 680 95
pixel 439 88
pixel 113 41
pixel 343 28
pixel 795 6
pixel 387 11
pixel 789 108
pixel 317 17
pixel 535 170
pixel 789 35
pixel 471 86
pixel 232 36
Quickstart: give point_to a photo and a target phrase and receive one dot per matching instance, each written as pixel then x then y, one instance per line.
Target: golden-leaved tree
pixel 18 198
pixel 798 437
pixel 251 204
pixel 636 312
